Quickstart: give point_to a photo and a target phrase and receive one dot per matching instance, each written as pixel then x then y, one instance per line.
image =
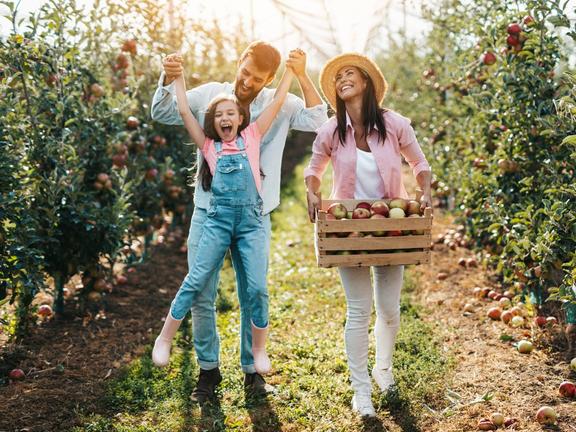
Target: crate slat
pixel 364 260
pixel 364 225
pixel 374 243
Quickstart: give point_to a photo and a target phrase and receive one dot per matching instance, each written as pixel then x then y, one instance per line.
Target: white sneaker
pixel 362 404
pixel 384 378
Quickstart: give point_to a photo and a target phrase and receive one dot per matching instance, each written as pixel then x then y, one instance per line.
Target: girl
pixel 231 148
pixel 365 144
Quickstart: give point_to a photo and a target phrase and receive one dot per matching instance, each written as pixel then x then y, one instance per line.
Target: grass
pixel 308 311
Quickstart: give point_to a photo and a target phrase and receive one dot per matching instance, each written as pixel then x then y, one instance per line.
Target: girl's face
pixel 227 119
pixel 350 83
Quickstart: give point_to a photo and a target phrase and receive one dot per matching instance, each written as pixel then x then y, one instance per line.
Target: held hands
pixel 173 65
pixel 297 62
pixel 425 201
pixel 313 204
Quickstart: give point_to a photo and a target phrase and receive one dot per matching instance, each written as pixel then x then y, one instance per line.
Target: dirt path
pixel 519 383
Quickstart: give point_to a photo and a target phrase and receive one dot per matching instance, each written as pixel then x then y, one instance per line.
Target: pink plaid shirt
pixel 400 141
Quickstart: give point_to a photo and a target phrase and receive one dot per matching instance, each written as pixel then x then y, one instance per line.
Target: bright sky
pixel 339 25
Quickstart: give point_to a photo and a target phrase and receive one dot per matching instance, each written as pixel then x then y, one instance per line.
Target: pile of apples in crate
pixel 396 208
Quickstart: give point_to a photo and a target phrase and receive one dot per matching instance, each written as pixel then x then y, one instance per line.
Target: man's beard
pixel 244 95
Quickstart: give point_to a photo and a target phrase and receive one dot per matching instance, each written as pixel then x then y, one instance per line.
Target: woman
pixel 365 144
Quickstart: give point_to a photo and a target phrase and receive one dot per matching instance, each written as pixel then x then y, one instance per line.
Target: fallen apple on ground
pixel 486 424
pixel 494 313
pixel 573 364
pixel 497 418
pixel 517 321
pixel 16 374
pixel 567 389
pixel 546 415
pixel 540 321
pixel 525 347
pixel 506 317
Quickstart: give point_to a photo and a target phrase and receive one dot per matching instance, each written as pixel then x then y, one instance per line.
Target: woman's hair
pixel 204 174
pixel 372 113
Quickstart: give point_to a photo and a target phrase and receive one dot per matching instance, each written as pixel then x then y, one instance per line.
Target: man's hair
pixel 265 56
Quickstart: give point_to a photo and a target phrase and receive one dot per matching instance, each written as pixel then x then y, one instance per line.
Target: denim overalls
pixel 234 216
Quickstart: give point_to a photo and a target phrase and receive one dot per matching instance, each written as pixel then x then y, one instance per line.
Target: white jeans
pixel 358 288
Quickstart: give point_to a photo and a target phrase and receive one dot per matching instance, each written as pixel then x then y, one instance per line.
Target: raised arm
pixel 297 62
pixel 267 116
pixel 192 126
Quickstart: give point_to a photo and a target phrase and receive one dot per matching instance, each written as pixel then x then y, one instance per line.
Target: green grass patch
pixel 307 315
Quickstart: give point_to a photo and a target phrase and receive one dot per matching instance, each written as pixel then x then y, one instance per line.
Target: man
pixel 257 68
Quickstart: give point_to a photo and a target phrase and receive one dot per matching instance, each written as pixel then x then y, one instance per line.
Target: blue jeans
pixel 206 339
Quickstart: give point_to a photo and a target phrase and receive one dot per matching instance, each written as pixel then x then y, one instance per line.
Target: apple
pixel 132 122
pixel 119 160
pixel 486 424
pixel 364 205
pixel 413 207
pixel 399 203
pixel 517 321
pixel 45 310
pixel 355 234
pixel 551 321
pixel 528 21
pixel 16 375
pixel 97 90
pixel 337 210
pixel 525 347
pixel 349 214
pixel 330 216
pixel 394 233
pixel 540 321
pixel 361 213
pixel 497 418
pixel 567 389
pixel 471 262
pixel 514 28
pixel 462 262
pixel 94 296
pixel 494 313
pixel 442 276
pixel 573 364
pixel 510 421
pixel 508 294
pixel 477 291
pixel 485 292
pixel 468 307
pixel 397 213
pixel 151 174
pixel 505 302
pixel 516 311
pixel 121 280
pixel 506 317
pixel 546 415
pixel 380 208
pixel 492 294
pixel 488 58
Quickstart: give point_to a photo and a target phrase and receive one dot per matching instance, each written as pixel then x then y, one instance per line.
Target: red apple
pixel 506 317
pixel 462 262
pixel 516 311
pixel 514 28
pixel 494 313
pixel 413 207
pixel 338 210
pixel 330 216
pixel 492 294
pixel 528 21
pixel 97 90
pixel 151 174
pixel 394 233
pixel 380 208
pixel 45 310
pixel 132 122
pixel 546 416
pixel 121 280
pixel 510 421
pixel 471 262
pixel 540 321
pixel 567 389
pixel 485 292
pixel 361 213
pixel 486 425
pixel 102 178
pixel 16 375
pixel 442 276
pixel 119 160
pixel 397 213
pixel 364 205
pixel 488 58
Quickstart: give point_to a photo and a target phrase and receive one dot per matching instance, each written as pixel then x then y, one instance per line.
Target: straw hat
pixel 331 68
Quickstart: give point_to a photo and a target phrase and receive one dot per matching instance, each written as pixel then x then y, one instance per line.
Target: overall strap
pixel 240 143
pixel 218 146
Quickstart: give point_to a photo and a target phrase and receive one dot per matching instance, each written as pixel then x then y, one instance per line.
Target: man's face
pixel 250 80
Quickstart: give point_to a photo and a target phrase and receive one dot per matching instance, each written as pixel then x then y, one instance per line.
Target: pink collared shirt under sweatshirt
pixel 400 141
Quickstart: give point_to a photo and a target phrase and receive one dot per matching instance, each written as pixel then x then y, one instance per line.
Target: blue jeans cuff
pixel 207 365
pixel 248 369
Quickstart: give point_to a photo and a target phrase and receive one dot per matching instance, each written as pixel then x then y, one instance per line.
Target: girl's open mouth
pixel 226 129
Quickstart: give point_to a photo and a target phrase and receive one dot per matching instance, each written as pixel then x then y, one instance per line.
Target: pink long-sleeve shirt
pixel 400 141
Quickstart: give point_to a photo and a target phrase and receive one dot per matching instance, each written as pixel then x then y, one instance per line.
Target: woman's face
pixel 350 83
pixel 227 119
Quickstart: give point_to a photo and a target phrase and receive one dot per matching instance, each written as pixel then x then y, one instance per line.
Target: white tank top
pixel 369 183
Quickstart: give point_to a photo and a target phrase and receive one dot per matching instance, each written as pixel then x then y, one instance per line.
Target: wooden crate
pixel 372 250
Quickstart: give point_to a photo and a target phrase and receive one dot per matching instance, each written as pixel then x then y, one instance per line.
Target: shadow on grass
pixel 263 416
pixel 400 411
pixel 372 425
